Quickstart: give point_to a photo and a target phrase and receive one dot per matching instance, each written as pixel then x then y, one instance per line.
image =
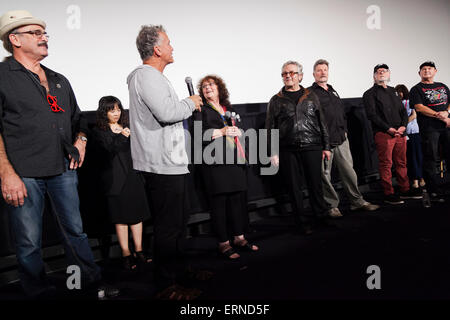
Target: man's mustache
pixel 43 44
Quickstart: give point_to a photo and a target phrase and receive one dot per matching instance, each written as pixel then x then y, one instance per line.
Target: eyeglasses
pixel 36 33
pixel 53 102
pixel 208 84
pixel 290 73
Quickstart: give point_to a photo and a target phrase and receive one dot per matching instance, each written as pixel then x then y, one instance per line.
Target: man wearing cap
pixel 389 119
pixel 42 143
pixel 430 100
pixel 335 117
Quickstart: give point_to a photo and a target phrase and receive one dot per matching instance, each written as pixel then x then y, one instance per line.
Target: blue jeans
pixel 26 226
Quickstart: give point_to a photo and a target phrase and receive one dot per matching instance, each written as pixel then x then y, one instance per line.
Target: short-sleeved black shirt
pixel 433 96
pixel 36 138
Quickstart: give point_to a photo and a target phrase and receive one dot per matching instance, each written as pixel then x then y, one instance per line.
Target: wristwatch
pixel 82 138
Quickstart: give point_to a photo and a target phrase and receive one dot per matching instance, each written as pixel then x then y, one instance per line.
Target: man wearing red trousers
pixel 389 119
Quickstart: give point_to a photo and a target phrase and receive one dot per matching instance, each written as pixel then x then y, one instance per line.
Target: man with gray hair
pixel 388 116
pixel 334 112
pixel 159 153
pixel 297 114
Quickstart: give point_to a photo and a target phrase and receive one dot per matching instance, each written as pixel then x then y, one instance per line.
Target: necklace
pixel 116 128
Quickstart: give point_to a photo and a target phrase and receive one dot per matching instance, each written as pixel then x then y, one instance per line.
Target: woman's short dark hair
pixel 401 88
pixel 106 104
pixel 224 96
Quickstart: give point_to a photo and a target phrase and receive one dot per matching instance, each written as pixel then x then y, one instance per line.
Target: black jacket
pixel 384 109
pixel 300 125
pixel 334 113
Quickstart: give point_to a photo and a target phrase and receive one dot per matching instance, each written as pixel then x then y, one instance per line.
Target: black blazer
pixel 116 152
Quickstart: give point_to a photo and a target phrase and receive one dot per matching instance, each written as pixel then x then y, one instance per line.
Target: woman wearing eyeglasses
pixel 224 173
pixel 123 187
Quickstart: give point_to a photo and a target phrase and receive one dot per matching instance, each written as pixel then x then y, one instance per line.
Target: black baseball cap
pixel 427 64
pixel 380 66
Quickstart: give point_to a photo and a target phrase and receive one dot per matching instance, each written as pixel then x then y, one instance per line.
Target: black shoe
pixel 393 199
pixel 142 257
pixel 307 229
pixel 106 292
pixel 413 193
pixel 435 197
pixel 128 263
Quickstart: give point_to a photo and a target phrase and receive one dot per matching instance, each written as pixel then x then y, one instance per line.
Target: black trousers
pixel 168 204
pixel 298 168
pixel 227 209
pixel 431 155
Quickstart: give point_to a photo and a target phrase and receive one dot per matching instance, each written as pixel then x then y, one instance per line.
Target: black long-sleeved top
pixel 117 159
pixel 384 108
pixel 333 111
pixel 37 139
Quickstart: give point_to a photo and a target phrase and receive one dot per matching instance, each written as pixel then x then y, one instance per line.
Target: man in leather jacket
pixel 304 143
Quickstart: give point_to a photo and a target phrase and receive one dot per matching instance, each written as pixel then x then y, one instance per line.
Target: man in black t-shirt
pixel 430 100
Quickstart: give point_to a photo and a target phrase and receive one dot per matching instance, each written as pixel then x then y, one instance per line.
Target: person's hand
pixel 447 122
pixel 401 130
pixel 275 160
pixel 13 189
pixel 442 115
pixel 326 154
pixel 81 146
pixel 233 131
pixel 126 132
pixel 197 101
pixel 392 131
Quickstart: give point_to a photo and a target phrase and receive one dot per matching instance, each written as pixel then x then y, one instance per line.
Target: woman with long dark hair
pixel 123 187
pixel 226 183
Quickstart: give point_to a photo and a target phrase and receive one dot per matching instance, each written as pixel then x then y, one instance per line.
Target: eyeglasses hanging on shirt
pixel 53 102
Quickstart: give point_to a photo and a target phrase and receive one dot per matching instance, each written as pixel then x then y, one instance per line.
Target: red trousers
pixel 391 149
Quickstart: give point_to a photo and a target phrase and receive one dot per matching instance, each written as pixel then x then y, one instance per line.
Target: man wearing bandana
pixel 42 143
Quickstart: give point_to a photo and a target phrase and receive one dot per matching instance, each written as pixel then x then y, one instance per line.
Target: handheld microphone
pixel 188 81
pixel 229 118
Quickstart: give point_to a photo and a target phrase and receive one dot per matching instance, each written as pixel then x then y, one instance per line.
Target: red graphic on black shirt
pixel 53 102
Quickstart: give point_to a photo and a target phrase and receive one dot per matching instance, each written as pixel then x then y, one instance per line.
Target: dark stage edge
pixel 409 243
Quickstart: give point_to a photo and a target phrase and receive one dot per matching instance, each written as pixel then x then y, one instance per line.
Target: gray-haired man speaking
pixel 159 153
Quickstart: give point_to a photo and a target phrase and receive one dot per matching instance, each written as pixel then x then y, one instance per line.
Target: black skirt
pixel 131 206
pixel 224 178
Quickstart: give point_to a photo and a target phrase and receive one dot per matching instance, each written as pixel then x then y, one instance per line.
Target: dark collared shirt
pixel 334 113
pixel 384 108
pixel 36 138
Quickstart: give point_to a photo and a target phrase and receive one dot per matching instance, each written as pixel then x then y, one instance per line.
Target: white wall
pixel 245 41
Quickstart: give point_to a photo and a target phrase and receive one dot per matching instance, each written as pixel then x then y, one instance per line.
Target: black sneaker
pixel 393 199
pixel 413 193
pixel 435 197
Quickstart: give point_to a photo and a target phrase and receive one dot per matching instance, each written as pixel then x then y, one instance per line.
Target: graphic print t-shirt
pixel 433 96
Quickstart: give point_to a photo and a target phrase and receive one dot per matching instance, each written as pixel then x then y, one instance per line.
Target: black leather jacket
pixel 301 125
